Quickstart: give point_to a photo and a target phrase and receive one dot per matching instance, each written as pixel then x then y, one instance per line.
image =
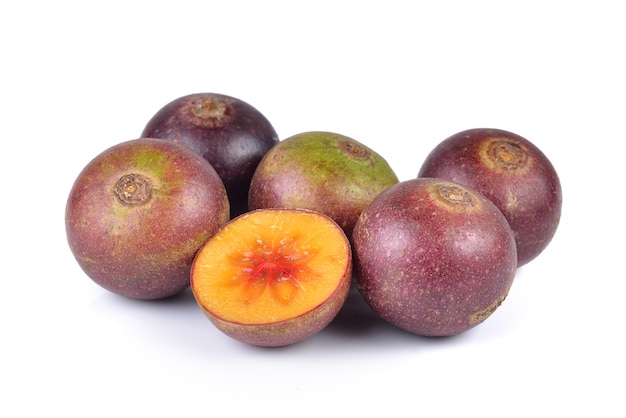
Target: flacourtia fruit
pixel 321 171
pixel 511 172
pixel 137 214
pixel 273 277
pixel 433 257
pixel 230 133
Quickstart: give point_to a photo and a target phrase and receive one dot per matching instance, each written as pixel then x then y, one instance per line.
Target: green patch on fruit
pixel 325 150
pixel 153 161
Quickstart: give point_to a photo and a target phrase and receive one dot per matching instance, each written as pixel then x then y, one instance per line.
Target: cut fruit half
pixel 273 277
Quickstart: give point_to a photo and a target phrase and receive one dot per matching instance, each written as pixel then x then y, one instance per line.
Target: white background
pixel 78 76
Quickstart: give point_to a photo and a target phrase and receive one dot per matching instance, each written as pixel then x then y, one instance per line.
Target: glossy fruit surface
pixel 433 257
pixel 228 132
pixel 321 171
pixel 273 277
pixel 138 212
pixel 511 172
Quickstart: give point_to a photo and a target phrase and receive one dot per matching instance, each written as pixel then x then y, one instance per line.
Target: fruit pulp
pixel 270 265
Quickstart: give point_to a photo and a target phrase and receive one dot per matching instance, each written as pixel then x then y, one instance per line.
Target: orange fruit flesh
pixel 270 265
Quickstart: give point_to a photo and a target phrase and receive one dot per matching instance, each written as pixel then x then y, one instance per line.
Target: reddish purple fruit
pixel 138 213
pixel 433 257
pixel 511 172
pixel 229 133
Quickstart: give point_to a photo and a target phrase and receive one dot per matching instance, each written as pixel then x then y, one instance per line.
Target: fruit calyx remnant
pixel 508 155
pixel 354 150
pixel 455 195
pixel 212 112
pixel 133 189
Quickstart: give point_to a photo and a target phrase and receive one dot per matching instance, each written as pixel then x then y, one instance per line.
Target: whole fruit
pixel 273 277
pixel 511 172
pixel 321 171
pixel 433 257
pixel 231 134
pixel 138 213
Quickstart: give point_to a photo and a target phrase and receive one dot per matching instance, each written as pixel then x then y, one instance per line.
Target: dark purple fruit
pixel 433 257
pixel 511 172
pixel 231 134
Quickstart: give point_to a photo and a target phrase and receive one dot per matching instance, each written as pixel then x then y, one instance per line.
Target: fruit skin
pixel 522 182
pixel 431 265
pixel 288 331
pixel 322 171
pixel 230 133
pixel 143 249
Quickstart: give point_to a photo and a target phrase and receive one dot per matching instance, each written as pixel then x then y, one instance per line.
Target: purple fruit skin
pixel 430 269
pixel 228 132
pixel 144 251
pixel 530 197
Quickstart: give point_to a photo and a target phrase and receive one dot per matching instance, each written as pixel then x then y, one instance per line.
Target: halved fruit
pixel 273 277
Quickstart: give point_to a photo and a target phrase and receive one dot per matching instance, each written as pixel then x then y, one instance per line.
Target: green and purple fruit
pixel 322 171
pixel 138 213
